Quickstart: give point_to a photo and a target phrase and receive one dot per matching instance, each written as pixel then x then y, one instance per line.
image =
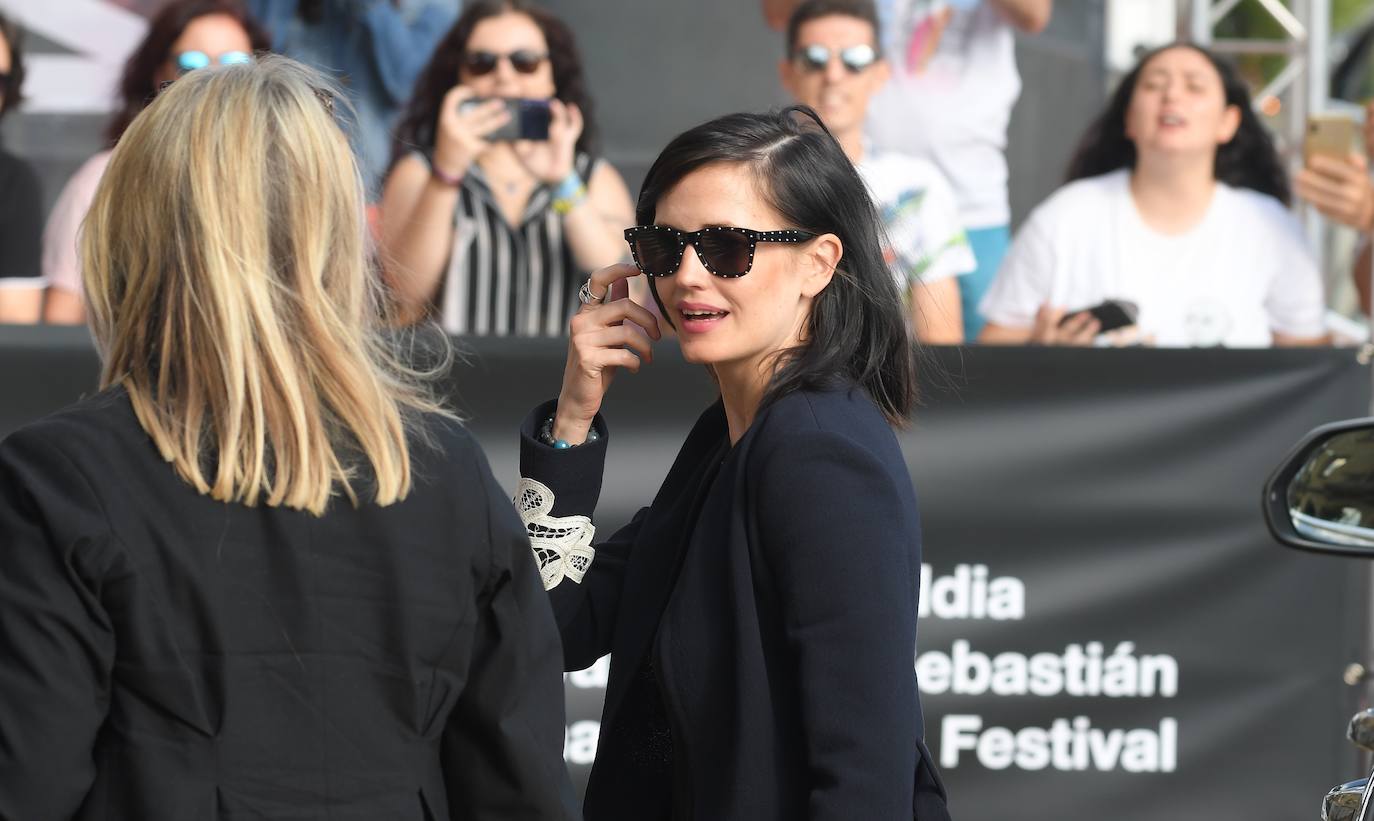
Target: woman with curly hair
pixel 1176 203
pixel 494 235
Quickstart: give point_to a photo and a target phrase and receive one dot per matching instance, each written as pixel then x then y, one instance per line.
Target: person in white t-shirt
pixel 1176 204
pixel 834 66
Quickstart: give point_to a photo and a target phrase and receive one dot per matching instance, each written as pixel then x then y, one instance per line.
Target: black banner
pixel 1107 630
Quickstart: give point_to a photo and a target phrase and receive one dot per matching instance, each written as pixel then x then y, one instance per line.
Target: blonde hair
pixel 229 282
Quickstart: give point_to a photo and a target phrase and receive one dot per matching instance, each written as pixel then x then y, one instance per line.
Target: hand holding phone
pixel 461 135
pixel 527 119
pixel 1331 135
pixel 1110 315
pixel 1335 174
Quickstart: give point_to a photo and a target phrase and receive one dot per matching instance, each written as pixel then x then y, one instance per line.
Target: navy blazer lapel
pixel 659 547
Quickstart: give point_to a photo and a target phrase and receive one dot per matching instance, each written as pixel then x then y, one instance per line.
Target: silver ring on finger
pixel 586 297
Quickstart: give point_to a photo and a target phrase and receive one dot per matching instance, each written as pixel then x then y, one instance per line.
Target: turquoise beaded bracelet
pixel 546 436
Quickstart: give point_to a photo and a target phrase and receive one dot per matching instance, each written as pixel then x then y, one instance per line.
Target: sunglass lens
pixel 814 58
pixel 480 62
pixel 526 62
pixel 858 58
pixel 727 251
pixel 658 251
pixel 192 60
pixel 235 58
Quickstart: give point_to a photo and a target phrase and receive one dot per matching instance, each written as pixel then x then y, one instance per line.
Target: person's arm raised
pixel 600 343
pixel 597 210
pixel 1030 16
pixel 419 200
pixel 1340 188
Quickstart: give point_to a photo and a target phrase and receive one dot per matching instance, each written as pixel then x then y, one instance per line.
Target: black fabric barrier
pixel 1107 629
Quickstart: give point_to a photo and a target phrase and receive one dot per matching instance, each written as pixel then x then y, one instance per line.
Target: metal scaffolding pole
pixel 1300 88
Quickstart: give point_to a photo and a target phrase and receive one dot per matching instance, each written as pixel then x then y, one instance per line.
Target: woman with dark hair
pixel 183 36
pixel 490 233
pixel 1175 203
pixel 761 626
pixel 21 200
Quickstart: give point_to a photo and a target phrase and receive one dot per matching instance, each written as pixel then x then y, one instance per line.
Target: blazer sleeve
pixel 556 497
pixel 845 575
pixel 57 647
pixel 502 748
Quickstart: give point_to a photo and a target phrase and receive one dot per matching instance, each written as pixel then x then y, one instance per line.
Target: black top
pixel 21 223
pixel 167 657
pixel 775 595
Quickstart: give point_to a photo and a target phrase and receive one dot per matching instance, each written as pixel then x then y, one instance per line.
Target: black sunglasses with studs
pixel 525 61
pixel 855 58
pixel 725 251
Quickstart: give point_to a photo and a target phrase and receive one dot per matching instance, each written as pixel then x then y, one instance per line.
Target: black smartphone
pixel 529 118
pixel 1110 314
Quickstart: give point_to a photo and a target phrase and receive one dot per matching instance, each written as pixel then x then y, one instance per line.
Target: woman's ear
pixel 1230 124
pixel 823 255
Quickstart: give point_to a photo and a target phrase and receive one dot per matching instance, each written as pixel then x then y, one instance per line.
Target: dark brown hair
pixel 12 87
pixel 137 86
pixel 418 124
pixel 809 10
pixel 1249 160
pixel 855 333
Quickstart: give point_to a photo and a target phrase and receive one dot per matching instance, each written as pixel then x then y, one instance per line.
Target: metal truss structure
pixel 1301 87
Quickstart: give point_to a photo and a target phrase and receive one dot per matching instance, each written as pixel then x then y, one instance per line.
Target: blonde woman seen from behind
pixel 262 570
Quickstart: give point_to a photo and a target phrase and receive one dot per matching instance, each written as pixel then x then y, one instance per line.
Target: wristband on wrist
pixel 569 194
pixel 546 436
pixel 451 180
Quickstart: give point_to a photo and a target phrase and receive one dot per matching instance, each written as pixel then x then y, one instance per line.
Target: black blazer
pixel 781 619
pixel 167 656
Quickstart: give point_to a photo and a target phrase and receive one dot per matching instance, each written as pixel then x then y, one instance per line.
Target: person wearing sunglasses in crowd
pixel 954 84
pixel 833 65
pixel 21 201
pixel 377 48
pixel 263 573
pixel 492 234
pixel 183 36
pixel 489 234
pixel 1176 202
pixel 760 613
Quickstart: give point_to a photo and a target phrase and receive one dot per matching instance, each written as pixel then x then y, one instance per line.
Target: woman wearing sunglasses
pixel 263 574
pixel 490 233
pixel 184 36
pixel 760 614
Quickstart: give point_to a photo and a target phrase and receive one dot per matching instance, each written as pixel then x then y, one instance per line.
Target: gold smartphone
pixel 1335 135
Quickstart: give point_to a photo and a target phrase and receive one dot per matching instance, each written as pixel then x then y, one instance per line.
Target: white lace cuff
pixel 562 544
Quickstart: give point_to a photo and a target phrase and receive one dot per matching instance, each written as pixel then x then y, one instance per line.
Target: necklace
pixel 510 186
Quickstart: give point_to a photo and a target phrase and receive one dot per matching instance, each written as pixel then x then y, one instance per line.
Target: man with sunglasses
pixel 954 83
pixel 834 66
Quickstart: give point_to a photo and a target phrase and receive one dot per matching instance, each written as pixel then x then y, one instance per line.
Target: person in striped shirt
pixel 494 236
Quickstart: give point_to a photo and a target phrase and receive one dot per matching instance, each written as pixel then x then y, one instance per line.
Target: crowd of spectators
pixel 1176 202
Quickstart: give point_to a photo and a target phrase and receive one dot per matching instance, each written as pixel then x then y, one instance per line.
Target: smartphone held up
pixel 528 118
pixel 1332 135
